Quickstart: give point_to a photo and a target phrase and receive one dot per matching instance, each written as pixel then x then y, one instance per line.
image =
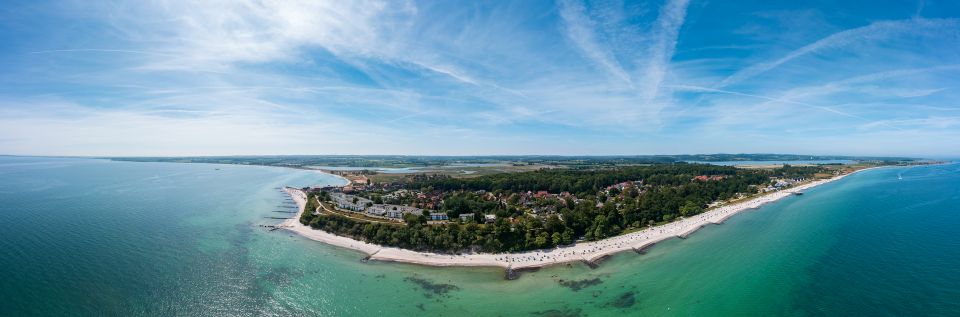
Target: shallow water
pixel 95 237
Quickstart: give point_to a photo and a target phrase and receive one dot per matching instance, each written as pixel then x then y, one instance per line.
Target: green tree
pixel 541 240
pixel 690 208
pixel 556 239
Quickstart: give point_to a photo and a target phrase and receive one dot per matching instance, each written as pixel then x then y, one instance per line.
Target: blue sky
pixel 495 77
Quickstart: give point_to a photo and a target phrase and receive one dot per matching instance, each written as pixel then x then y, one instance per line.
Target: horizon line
pixel 474 155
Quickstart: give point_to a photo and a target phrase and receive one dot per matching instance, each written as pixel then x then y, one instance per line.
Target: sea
pixel 94 237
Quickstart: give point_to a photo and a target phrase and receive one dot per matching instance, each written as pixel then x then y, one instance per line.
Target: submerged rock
pixel 580 284
pixel 625 300
pixel 566 312
pixel 432 288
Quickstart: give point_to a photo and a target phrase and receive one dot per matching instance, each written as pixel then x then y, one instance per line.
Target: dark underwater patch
pixel 625 300
pixel 432 288
pixel 566 312
pixel 580 284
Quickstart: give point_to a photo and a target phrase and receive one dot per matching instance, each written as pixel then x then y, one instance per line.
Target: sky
pixel 568 77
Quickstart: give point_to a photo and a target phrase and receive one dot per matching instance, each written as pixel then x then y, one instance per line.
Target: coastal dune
pixel 589 252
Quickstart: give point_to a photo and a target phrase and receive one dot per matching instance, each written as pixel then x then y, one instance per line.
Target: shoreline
pixel 588 252
pixel 344 179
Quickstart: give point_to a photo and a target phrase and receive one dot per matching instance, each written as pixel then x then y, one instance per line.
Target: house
pixel 362 180
pixel 543 209
pixel 784 183
pixel 410 210
pixel 489 218
pixel 394 213
pixel 379 210
pixel 397 211
pixel 705 178
pixel 376 210
pixel 350 202
pixel 437 216
pixel 395 195
pixel 466 217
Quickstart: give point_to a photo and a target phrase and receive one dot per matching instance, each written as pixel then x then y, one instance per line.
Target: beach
pixel 293 224
pixel 589 252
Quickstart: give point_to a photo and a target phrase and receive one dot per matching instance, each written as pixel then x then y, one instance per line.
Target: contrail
pixel 827 109
pixel 875 30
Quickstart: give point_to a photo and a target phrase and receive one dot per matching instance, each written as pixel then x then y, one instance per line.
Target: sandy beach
pixel 293 224
pixel 582 251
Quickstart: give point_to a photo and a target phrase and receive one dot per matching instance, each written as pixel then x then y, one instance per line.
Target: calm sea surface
pixel 95 237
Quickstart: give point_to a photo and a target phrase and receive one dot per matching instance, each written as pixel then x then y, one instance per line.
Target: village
pixel 392 202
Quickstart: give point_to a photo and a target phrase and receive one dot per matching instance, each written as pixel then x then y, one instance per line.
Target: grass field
pixel 456 171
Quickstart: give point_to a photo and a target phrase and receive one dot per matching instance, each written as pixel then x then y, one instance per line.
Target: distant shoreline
pixel 345 180
pixel 588 252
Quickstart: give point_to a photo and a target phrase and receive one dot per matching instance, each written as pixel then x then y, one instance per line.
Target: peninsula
pixel 514 220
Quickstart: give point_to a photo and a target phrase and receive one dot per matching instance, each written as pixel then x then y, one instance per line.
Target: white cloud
pixel 580 29
pixel 874 31
pixel 403 77
pixel 667 29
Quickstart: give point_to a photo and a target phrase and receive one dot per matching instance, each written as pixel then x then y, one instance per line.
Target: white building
pixel 349 202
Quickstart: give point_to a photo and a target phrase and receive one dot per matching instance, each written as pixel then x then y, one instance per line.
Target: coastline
pixel 589 252
pixel 344 179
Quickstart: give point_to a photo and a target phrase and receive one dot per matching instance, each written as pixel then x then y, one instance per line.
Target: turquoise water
pixel 95 237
